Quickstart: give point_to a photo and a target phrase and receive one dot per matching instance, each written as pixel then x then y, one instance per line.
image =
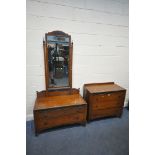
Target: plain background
pixel 13 77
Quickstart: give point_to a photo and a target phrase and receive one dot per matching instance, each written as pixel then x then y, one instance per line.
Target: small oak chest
pixel 104 99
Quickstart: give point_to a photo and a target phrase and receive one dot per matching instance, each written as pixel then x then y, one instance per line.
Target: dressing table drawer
pixel 59 121
pixel 60 112
pixel 54 117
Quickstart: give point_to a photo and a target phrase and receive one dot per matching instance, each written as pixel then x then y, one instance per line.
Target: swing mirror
pixel 58 60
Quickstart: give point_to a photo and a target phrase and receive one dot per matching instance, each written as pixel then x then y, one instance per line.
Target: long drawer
pixel 107 104
pixel 106 113
pixel 108 100
pixel 109 96
pixel 61 116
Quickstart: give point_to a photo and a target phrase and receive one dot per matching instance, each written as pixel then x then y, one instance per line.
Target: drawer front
pixel 109 100
pixel 109 96
pixel 106 113
pixel 107 104
pixel 67 119
pixel 60 112
pixel 56 117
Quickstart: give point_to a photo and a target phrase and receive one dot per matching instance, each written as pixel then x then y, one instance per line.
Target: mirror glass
pixel 58 60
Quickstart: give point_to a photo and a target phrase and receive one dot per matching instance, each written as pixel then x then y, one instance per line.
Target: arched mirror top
pixel 58 60
pixel 58 33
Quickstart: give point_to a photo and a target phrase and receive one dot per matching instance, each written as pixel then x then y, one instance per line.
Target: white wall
pixel 99 30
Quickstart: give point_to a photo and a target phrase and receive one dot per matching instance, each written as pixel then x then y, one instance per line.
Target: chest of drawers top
pixel 97 88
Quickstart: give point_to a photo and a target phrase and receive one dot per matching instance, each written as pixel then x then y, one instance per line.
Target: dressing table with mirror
pixel 59 104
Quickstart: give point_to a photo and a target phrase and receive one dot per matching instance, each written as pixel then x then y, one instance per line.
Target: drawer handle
pixel 109 94
pixel 102 96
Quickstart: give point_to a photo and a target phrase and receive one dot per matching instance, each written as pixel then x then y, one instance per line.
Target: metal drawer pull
pixel 109 94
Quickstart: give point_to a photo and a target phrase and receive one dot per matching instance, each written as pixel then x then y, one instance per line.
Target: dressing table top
pixel 58 101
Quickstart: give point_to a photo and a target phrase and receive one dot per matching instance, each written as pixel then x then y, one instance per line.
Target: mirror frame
pixel 63 34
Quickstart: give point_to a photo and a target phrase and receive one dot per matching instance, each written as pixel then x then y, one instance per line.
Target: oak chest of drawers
pixel 104 99
pixel 58 108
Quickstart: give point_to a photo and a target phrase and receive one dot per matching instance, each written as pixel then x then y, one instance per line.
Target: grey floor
pixel 100 137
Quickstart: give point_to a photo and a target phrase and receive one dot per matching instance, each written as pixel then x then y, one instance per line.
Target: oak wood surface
pixel 103 87
pixel 104 99
pixel 58 105
pixel 57 92
pixel 106 113
pixel 58 117
pixel 57 108
pixel 58 101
